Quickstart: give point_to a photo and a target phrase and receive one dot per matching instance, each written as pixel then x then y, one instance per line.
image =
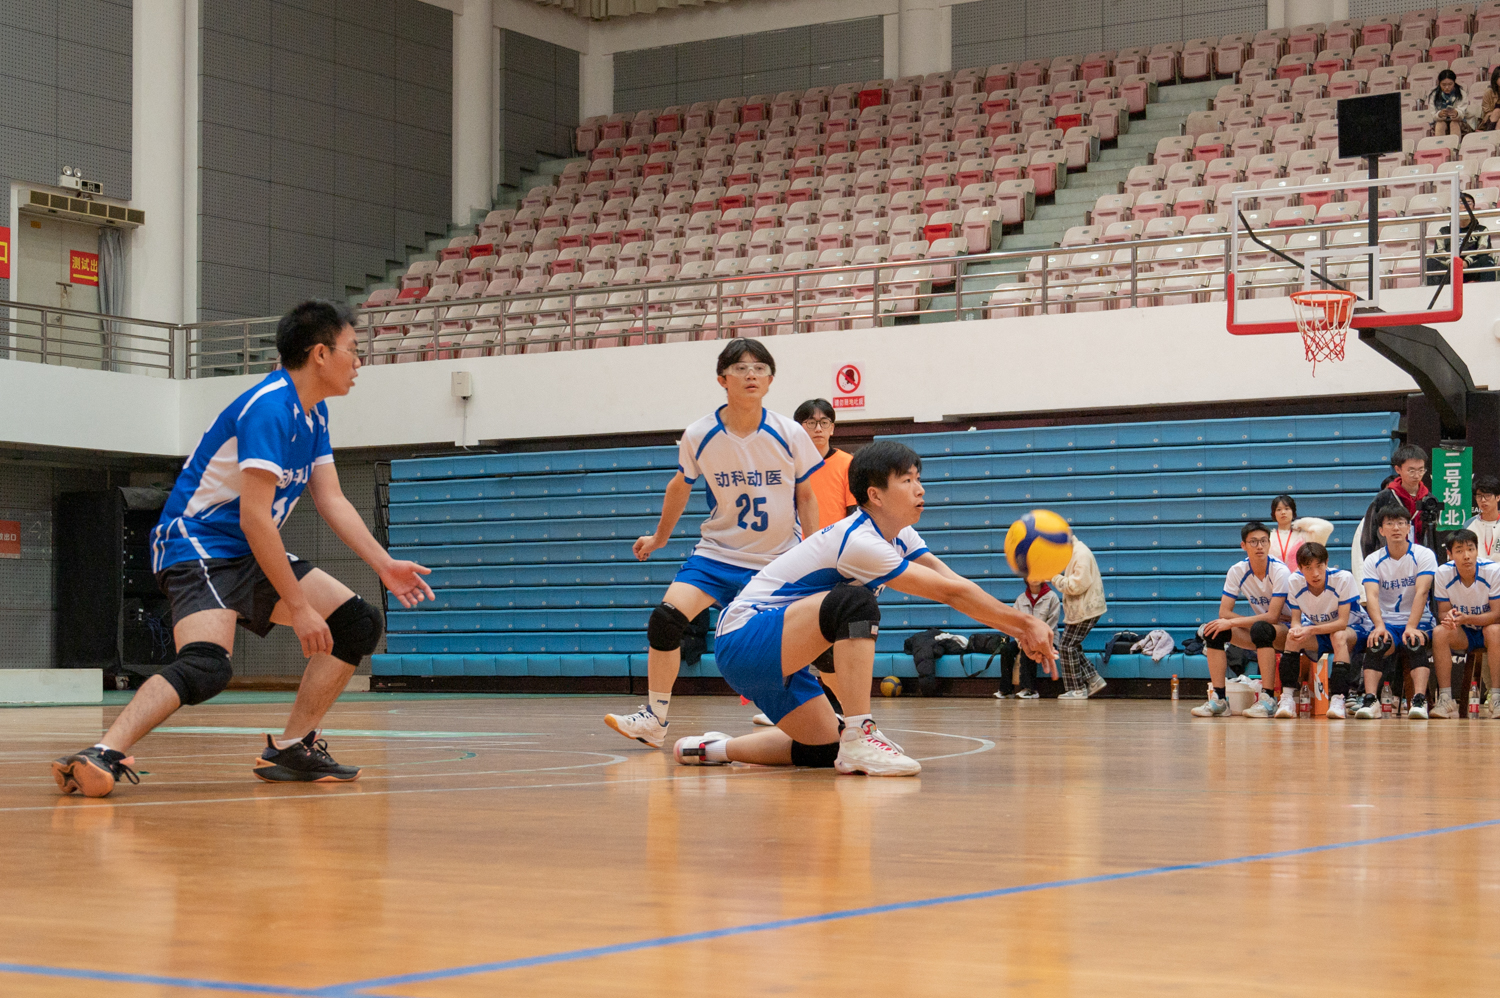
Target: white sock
pixel 853 725
pixel 717 751
pixel 659 703
pixel 102 747
pixel 285 743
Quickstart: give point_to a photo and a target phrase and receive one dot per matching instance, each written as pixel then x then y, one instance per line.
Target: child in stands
pixel 1323 604
pixel 1397 580
pixel 1487 498
pixel 1467 592
pixel 1082 592
pixel 1261 581
pixel 1038 600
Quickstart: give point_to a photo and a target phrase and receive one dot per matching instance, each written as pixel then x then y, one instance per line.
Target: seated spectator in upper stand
pixel 1455 114
pixel 1467 591
pixel 1082 592
pixel 1397 580
pixel 1323 605
pixel 1290 533
pixel 1487 498
pixel 1038 601
pixel 1261 581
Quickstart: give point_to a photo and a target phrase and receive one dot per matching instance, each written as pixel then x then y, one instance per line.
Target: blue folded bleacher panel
pixel 535 576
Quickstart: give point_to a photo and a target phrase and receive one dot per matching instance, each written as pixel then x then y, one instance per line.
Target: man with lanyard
pixel 1467 591
pixel 755 465
pixel 1261 581
pixel 1483 526
pixel 1323 604
pixel 218 555
pixel 1397 580
pixel 822 593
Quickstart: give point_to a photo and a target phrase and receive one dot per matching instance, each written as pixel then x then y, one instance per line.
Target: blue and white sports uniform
pixel 1241 582
pixel 1468 597
pixel 747 644
pixel 1397 578
pixel 751 483
pixel 1308 608
pixel 264 428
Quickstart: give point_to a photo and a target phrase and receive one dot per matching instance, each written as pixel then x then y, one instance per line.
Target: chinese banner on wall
pixel 4 252
pixel 1452 482
pixel 83 268
pixel 10 539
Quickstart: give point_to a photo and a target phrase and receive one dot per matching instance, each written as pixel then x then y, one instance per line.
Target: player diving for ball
pixel 1261 581
pixel 822 593
pixel 754 464
pixel 218 555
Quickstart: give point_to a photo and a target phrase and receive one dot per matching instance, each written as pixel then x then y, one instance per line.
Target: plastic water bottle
pixel 1304 701
pixel 1474 700
pixel 1174 686
pixel 1387 700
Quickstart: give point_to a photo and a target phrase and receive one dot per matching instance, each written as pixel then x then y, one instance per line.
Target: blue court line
pixel 363 989
pixel 359 988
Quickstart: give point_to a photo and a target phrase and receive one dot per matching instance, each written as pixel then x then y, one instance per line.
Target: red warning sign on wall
pixel 4 252
pixel 847 379
pixel 83 268
pixel 10 539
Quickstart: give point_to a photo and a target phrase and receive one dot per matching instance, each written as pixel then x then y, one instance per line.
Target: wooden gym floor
pixel 514 846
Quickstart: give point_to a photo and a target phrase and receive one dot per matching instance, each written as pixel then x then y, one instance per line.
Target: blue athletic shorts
pixel 722 582
pixel 1325 643
pixel 1475 636
pixel 749 659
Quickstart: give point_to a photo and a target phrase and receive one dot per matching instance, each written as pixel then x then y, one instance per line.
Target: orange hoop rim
pixel 1323 296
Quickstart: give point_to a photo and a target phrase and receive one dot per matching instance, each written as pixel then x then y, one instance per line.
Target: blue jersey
pixel 264 428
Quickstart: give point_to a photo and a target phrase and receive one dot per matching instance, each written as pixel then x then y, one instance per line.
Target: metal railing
pixel 857 295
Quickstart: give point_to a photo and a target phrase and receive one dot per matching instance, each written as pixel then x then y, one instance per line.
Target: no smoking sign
pixel 848 380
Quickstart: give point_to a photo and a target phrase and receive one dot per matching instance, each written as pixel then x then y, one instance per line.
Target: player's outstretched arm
pixel 257 492
pixel 672 506
pixel 403 579
pixel 937 564
pixel 1032 634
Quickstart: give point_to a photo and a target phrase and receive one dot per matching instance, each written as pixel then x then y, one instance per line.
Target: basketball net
pixel 1323 317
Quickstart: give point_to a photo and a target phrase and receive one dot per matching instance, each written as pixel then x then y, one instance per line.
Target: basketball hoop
pixel 1323 316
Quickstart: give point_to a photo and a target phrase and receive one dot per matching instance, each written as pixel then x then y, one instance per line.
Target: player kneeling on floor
pixel 1398 578
pixel 218 555
pixel 822 593
pixel 1261 580
pixel 1323 603
pixel 1467 591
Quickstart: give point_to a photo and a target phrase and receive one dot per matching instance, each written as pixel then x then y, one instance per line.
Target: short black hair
pixel 1312 552
pixel 1253 527
pixel 1487 485
pixel 1284 500
pixel 812 407
pixel 1462 537
pixel 1391 511
pixel 307 325
pixel 875 464
pixel 1408 452
pixel 738 347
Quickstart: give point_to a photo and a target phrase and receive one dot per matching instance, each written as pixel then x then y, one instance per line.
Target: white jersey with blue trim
pixel 264 428
pixel 1339 589
pixel 751 484
pixel 1241 582
pixel 1472 598
pixel 852 550
pixel 1397 577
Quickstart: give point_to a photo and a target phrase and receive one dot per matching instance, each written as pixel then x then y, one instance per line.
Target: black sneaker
pixel 307 761
pixel 93 771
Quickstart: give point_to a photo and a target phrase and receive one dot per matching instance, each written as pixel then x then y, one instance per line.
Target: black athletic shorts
pixel 236 584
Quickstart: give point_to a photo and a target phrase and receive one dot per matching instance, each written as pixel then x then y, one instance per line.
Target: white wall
pixel 49 406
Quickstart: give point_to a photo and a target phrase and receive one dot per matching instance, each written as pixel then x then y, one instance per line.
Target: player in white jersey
pixel 754 464
pixel 1397 580
pixel 1259 580
pixel 1467 592
pixel 1323 606
pixel 822 593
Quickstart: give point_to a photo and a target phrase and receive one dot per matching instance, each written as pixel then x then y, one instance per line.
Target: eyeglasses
pixel 741 370
pixel 351 351
pixel 1258 542
pixel 818 424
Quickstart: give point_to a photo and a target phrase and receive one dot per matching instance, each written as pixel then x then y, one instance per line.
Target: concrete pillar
pixel 474 142
pixel 1289 13
pixel 926 43
pixel 162 254
pixel 596 84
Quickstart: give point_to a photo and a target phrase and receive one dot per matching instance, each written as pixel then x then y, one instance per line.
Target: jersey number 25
pixel 755 508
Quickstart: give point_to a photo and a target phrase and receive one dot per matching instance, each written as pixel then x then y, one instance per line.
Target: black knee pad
pixel 849 612
pixel 833 699
pixel 814 756
pixel 1262 634
pixel 200 672
pixel 1340 676
pixel 664 629
pixel 824 662
pixel 1418 658
pixel 356 628
pixel 1218 642
pixel 1291 669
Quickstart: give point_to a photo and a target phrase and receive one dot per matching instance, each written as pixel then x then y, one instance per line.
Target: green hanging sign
pixel 1453 485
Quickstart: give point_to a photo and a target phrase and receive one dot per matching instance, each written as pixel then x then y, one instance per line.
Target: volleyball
pixel 890 686
pixel 1039 545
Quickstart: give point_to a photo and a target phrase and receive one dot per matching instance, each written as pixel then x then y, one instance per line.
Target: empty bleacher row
pixel 532 563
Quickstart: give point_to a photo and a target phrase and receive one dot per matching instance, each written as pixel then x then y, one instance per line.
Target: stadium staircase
pixel 532 564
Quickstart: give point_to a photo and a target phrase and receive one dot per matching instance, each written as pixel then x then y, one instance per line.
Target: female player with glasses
pixel 755 466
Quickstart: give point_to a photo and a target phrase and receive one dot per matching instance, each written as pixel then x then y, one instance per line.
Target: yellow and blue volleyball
pixel 890 686
pixel 1039 545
